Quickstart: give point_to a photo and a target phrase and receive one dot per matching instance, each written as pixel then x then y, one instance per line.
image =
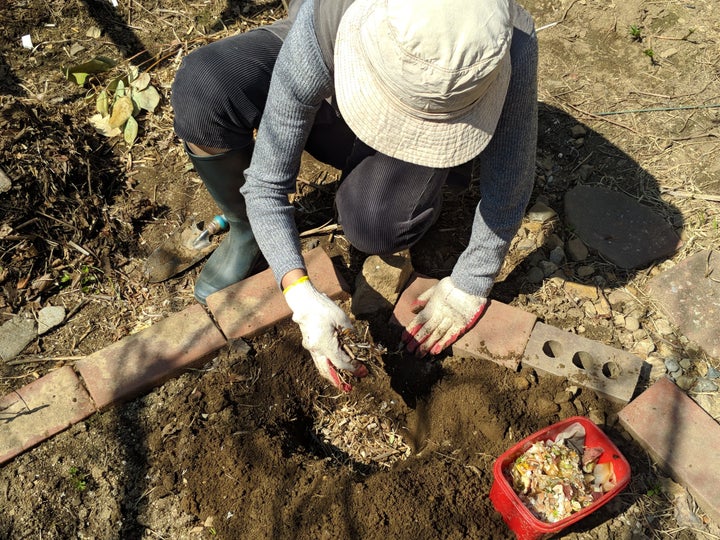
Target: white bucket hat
pixel 424 81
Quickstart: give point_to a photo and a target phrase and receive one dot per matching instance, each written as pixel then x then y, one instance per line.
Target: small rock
pixel 684 514
pixel 578 290
pixel 541 212
pixel 5 182
pixel 663 327
pixel 589 308
pixel 585 271
pixel 603 309
pixel 93 32
pixel 554 241
pixel 562 397
pixel 577 250
pixel 686 363
pixel 49 317
pixel 713 373
pixel 643 348
pixel 585 171
pixel 709 402
pixel 704 385
pixel 666 349
pixel 535 275
pixel 685 382
pixel 631 323
pixel 619 297
pixel 557 255
pixel 657 367
pixel 640 334
pixel 702 369
pixel 521 383
pixel 634 310
pixel 578 131
pixel 15 335
pixel 672 366
pixel 379 284
pixel 547 267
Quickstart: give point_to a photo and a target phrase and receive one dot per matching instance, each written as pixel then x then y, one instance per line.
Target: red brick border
pixel 40 410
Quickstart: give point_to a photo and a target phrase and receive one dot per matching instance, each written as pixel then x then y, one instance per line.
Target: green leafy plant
pixel 651 55
pixel 121 101
pixel 80 73
pixel 78 479
pixel 635 33
pixel 86 278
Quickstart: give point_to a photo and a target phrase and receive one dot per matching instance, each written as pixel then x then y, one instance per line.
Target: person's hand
pixel 443 314
pixel 320 319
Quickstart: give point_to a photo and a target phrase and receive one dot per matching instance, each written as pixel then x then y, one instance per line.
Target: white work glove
pixel 320 319
pixel 443 314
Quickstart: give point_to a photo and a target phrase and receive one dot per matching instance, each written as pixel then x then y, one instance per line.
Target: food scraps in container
pixel 555 479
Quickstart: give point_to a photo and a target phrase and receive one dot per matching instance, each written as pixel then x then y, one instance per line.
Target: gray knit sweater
pixel 301 81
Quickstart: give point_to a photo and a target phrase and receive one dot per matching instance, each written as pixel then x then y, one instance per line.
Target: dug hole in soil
pixel 254 444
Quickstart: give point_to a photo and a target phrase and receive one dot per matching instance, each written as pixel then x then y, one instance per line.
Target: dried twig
pixel 691 195
pixel 321 229
pixel 660 109
pixel 41 360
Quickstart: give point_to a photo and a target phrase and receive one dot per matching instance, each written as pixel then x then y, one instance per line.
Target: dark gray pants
pixel 384 205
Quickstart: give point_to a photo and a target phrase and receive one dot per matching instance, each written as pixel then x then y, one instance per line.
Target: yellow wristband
pixel 298 281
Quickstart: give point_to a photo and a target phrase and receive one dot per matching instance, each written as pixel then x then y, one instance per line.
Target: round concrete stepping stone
pixel 625 232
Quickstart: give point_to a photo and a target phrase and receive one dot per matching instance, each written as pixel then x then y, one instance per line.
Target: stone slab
pixel 689 293
pixel 255 304
pixel 681 438
pixel 15 335
pixel 500 335
pixel 627 233
pixel 40 410
pixel 609 371
pixel 141 361
pixel 380 283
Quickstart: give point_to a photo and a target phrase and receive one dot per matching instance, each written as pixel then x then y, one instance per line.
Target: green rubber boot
pixel 223 177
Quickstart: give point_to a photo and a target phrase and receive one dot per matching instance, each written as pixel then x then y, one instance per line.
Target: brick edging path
pixel 666 422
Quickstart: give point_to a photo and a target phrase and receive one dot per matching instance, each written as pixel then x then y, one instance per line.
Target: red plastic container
pixel 517 516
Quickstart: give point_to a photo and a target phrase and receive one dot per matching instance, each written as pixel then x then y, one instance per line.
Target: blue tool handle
pixel 218 223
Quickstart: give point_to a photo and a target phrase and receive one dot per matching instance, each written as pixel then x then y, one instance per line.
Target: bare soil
pixel 237 448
